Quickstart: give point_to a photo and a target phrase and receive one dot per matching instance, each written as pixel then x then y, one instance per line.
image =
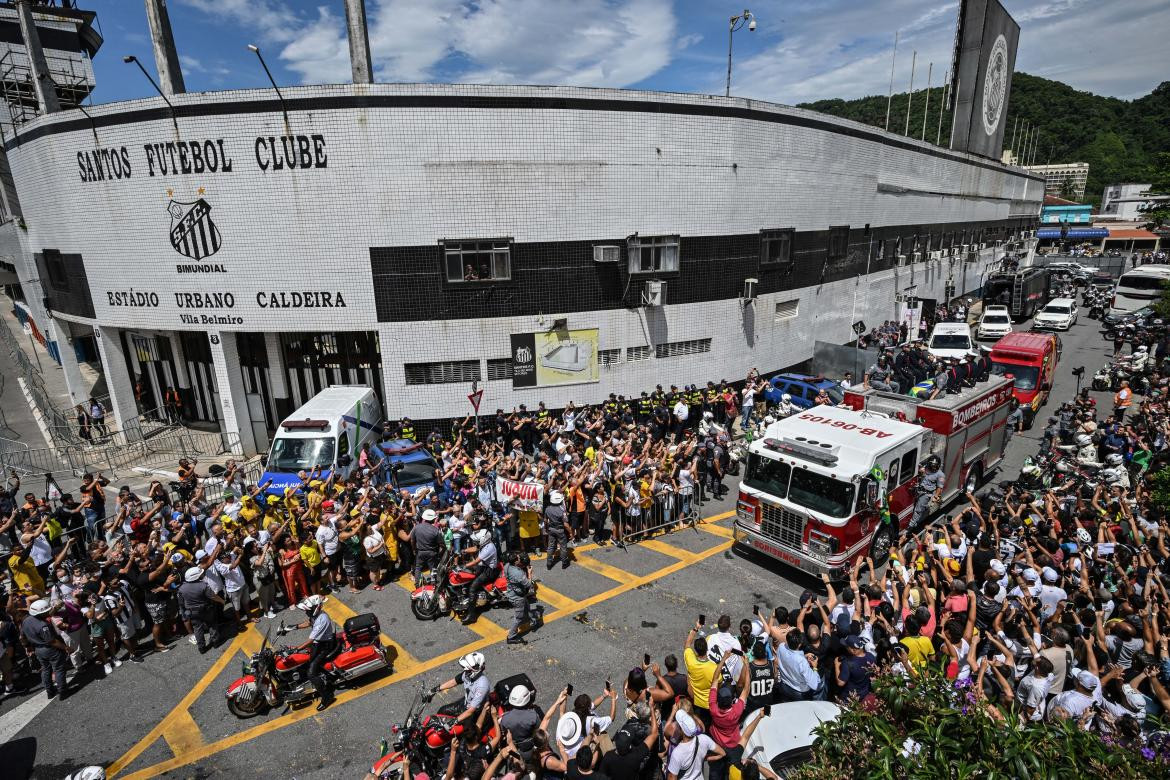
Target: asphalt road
pixel 166 717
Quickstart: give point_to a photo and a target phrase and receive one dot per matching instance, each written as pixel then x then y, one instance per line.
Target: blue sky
pixel 800 51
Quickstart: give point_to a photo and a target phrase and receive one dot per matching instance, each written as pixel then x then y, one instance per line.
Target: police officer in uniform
pixel 406 429
pixel 322 637
pixel 518 573
pixel 556 527
pixel 880 376
pixel 694 406
pixel 47 644
pixel 903 367
pixel 543 418
pixel 611 406
pixel 930 484
pixel 486 565
pixel 645 407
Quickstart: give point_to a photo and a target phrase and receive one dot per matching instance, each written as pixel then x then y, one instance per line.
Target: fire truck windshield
pixel 768 475
pixel 822 494
pixel 1025 376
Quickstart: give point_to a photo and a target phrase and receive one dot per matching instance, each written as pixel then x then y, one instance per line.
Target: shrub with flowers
pixel 930 727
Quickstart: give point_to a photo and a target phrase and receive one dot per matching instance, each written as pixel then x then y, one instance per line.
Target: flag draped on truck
pixel 879 477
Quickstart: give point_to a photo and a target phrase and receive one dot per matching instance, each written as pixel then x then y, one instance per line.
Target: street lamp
pixel 131 58
pixel 736 23
pixel 256 50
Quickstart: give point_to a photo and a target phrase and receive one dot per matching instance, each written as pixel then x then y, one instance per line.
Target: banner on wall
pixel 556 357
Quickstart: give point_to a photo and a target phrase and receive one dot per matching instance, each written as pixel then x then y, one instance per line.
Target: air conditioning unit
pixel 607 253
pixel 654 294
pixel 916 257
pixel 972 257
pixel 936 255
pixel 902 260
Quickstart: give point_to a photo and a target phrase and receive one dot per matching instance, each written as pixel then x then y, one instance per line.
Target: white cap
pixel 569 729
pixel 556 497
pixel 193 574
pixel 429 515
pixel 997 566
pixel 1030 575
pixel 1049 574
pixel 1088 680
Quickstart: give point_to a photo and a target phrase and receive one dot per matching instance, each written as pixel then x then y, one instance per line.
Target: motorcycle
pixel 447 588
pixel 426 740
pixel 280 675
pixel 1102 379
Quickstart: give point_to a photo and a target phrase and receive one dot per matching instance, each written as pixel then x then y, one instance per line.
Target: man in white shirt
pixel 235 588
pixel 681 412
pixel 1074 703
pixel 1050 595
pixel 1032 692
pixel 328 540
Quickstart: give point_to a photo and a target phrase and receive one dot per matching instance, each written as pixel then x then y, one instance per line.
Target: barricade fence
pixel 666 510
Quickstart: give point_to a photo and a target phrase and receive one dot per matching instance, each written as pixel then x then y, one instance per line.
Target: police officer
pixel 645 407
pixel 406 429
pixel 543 417
pixel 903 368
pixel 518 573
pixel 322 637
pixel 197 601
pixel 930 484
pixel 476 688
pixel 487 562
pixel 47 644
pixel 880 376
pixel 556 527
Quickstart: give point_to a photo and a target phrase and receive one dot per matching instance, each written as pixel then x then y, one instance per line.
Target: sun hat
pixel 569 729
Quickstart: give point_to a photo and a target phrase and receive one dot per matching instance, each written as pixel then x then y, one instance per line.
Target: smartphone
pixel 645 659
pixel 569 689
pixel 756 610
pixel 702 620
pixel 767 710
pixel 608 687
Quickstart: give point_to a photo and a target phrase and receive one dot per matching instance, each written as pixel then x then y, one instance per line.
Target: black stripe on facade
pixel 498 102
pixel 410 283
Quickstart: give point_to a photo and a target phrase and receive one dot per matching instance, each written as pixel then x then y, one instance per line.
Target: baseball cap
pixel 1088 681
pixel 686 723
pixel 1049 574
pixel 853 641
pixel 726 697
pixel 1030 575
pixel 623 742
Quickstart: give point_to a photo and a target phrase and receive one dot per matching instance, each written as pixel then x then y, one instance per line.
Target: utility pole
pixel 926 108
pixel 42 82
pixel 890 96
pixel 941 107
pixel 910 96
pixel 166 57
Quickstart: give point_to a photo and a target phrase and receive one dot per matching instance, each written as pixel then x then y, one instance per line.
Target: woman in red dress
pixel 292 572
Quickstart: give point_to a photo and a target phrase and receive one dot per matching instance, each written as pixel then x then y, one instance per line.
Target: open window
pixel 478 260
pixel 653 254
pixel 776 247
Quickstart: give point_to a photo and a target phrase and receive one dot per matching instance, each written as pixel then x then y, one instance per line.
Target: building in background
pixel 1065 180
pixel 1056 211
pixel 1124 201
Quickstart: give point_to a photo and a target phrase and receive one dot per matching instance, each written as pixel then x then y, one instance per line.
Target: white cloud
pixel 687 41
pixel 273 20
pixel 195 65
pixel 320 50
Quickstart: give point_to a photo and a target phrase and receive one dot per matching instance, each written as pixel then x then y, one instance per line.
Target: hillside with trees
pixel 1120 139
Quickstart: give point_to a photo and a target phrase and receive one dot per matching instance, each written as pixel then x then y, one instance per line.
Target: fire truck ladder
pixel 1018 295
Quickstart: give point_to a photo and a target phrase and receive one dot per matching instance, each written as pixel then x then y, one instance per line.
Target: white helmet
pixel 40 607
pixel 1063 468
pixel 481 537
pixel 1112 477
pixel 311 603
pixel 1083 536
pixel 429 515
pixel 1083 440
pixel 193 574
pixel 785 397
pixel 473 664
pixel 520 696
pixel 88 773
pixel 1113 459
pixel 769 420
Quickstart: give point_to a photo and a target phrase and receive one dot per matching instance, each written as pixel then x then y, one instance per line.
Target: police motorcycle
pixel 280 675
pixel 447 588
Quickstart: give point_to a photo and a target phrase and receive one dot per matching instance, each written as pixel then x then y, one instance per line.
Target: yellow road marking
pixel 604 569
pixel 554 599
pixel 717 530
pixel 339 612
pixel 179 714
pixel 182 733
pixel 660 546
pixel 346 696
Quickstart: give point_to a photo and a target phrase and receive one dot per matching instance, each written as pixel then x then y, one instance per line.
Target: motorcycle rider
pixel 322 637
pixel 518 573
pixel 487 563
pixel 1082 449
pixel 785 408
pixel 476 688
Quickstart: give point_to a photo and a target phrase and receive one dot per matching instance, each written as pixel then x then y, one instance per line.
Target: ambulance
pixel 832 484
pixel 328 431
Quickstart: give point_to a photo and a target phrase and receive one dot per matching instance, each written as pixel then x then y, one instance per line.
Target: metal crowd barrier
pixel 668 511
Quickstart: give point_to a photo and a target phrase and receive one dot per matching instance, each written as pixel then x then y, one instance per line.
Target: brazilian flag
pixel 879 477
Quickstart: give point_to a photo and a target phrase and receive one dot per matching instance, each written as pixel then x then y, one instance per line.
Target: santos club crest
pixel 192 232
pixel 995 85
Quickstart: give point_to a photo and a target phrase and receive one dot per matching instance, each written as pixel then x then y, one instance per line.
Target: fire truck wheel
pixel 974 478
pixel 879 548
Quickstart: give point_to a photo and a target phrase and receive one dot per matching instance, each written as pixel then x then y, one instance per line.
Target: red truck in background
pixel 816 483
pixel 1030 359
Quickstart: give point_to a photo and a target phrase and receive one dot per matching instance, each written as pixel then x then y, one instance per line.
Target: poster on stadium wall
pixel 981 76
pixel 555 357
pixel 527 495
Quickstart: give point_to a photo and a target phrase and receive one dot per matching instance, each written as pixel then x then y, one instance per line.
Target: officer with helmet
pixel 930 484
pixel 487 563
pixel 522 719
pixel 322 638
pixel 197 601
pixel 476 688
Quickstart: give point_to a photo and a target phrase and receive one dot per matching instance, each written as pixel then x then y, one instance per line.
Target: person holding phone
pixel 701 670
pixel 727 708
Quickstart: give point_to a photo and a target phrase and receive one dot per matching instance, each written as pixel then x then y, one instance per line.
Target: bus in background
pixel 1138 288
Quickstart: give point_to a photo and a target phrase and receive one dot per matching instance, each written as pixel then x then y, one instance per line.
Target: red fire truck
pixel 817 482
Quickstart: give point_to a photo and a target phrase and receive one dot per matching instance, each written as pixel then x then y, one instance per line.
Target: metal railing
pixel 666 511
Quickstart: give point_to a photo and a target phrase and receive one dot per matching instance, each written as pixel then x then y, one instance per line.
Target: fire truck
pixel 819 484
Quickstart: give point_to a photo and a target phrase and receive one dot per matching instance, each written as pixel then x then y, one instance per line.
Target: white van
pixel 328 431
pixel 950 340
pixel 1138 288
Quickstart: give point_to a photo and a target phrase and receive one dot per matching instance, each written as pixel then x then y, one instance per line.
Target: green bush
pixel 955 739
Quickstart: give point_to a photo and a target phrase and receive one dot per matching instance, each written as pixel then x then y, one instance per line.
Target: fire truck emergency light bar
pixel 805 449
pixel 305 425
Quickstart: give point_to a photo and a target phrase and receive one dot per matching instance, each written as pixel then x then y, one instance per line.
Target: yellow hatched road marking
pixel 657 545
pixel 182 733
pixel 554 599
pixel 717 530
pixel 210 749
pixel 604 569
pixel 486 628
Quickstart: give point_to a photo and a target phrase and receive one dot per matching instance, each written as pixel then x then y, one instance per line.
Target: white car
pixel 995 323
pixel 951 340
pixel 1059 314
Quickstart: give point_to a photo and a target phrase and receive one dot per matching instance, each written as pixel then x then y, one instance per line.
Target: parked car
pixel 1058 314
pixel 1115 317
pixel 802 388
pixel 995 323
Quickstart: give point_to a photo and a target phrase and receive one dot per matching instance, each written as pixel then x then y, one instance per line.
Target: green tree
pixel 1067 190
pixel 1157 213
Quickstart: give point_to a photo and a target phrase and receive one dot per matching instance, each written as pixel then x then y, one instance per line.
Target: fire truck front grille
pixel 783 526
